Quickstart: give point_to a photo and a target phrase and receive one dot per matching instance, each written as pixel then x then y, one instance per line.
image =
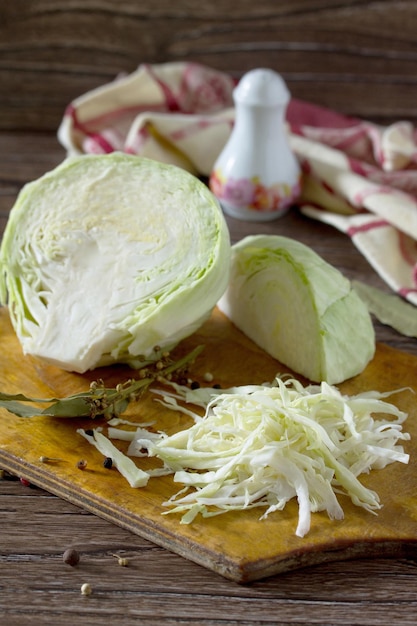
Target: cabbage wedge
pixel 107 256
pixel 298 308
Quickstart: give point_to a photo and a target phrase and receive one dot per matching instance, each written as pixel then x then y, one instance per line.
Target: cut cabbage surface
pixel 107 256
pixel 298 308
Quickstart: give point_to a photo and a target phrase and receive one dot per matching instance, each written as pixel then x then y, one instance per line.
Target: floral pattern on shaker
pixel 252 194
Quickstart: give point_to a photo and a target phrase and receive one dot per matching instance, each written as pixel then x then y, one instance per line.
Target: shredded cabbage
pixel 134 475
pixel 263 445
pixel 260 446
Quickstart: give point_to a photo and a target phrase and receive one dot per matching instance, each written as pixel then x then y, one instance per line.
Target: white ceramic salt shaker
pixel 256 176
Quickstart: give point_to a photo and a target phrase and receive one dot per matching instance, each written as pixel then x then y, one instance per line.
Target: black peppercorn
pixel 108 463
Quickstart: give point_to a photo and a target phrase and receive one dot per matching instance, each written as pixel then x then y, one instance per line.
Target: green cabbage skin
pixel 298 308
pixel 107 256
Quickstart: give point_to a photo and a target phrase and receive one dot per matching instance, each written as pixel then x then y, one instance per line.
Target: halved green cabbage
pixel 298 308
pixel 107 256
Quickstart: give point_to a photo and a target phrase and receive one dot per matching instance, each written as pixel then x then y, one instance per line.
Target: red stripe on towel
pixel 354 230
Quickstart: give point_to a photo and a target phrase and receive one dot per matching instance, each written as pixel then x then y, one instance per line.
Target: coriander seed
pixel 86 589
pixel 81 464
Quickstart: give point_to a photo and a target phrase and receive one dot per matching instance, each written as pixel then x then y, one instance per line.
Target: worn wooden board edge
pixel 125 519
pixel 239 568
pixel 242 572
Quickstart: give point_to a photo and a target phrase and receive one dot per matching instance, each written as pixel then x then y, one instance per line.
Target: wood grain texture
pixel 160 587
pixel 355 56
pixel 270 546
pixel 358 57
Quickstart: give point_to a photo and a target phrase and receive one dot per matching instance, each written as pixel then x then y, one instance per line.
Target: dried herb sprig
pixel 99 400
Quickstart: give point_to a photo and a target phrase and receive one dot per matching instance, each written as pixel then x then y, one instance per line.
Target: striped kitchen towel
pixel 357 176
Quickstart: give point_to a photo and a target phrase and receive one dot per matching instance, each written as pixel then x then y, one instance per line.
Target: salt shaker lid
pixel 262 87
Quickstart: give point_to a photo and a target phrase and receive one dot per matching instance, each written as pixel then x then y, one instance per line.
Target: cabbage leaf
pixel 298 308
pixel 107 256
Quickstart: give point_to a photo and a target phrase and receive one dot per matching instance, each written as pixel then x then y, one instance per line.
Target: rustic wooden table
pixel 158 586
pixel 355 56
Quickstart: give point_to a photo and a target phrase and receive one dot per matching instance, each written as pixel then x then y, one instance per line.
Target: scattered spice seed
pixel 122 561
pixel 48 459
pixel 86 589
pixel 108 462
pixel 101 401
pixel 26 483
pixel 208 377
pixel 81 464
pixel 71 557
pixel 195 385
pixel 8 476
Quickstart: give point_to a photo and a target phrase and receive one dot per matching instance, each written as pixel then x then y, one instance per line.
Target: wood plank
pixel 37 588
pixel 270 546
pixel 354 56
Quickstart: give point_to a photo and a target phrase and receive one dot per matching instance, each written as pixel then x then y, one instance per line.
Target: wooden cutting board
pixel 236 545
